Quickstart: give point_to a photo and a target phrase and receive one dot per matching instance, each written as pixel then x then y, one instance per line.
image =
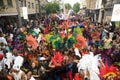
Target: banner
pixel 25 13
pixel 116 13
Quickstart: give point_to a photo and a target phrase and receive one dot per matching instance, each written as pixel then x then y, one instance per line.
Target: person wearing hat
pixel 44 70
pixel 17 74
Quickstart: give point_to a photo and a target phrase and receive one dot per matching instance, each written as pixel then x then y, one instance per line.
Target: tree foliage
pixel 68 6
pixel 51 7
pixel 76 7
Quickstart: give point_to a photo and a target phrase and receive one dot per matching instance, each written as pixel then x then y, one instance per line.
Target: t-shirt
pixel 3 40
pixel 107 43
pixel 37 30
pixel 26 65
pixel 35 71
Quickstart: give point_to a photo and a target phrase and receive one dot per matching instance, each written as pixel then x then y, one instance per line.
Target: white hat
pixel 16 67
pixel 42 58
pixel 19 61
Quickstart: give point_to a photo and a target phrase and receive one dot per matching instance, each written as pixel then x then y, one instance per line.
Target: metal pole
pixel 39 3
pixel 18 10
pixel 24 3
pixel 64 8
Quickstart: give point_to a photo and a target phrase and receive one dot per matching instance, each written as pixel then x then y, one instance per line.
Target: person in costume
pixel 95 37
pixel 56 63
pixel 70 39
pixel 89 63
pixel 31 41
pixel 16 72
pixel 108 72
pixel 80 42
pixel 57 59
pixel 56 41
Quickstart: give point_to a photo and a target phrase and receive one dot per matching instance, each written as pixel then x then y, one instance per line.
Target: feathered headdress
pixel 57 58
pixel 31 41
pixel 81 42
pixel 71 40
pixel 107 71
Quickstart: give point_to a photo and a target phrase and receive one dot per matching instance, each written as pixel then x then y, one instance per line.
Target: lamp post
pixel 18 11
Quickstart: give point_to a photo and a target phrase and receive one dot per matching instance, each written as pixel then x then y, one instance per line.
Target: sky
pixel 71 2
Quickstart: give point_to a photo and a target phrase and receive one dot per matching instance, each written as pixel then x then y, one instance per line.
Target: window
pixel 10 4
pixel 1 3
pixel 28 4
pixel 32 5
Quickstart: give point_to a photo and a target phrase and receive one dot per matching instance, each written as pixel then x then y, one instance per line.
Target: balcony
pixel 116 1
pixel 109 4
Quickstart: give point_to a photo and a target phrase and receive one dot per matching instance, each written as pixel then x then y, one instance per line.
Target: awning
pixel 8 14
pixel 31 12
pixel 13 14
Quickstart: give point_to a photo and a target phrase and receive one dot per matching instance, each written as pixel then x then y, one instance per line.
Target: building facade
pixel 107 9
pixel 100 10
pixel 92 9
pixel 91 4
pixel 8 7
pixel 82 3
pixel 9 13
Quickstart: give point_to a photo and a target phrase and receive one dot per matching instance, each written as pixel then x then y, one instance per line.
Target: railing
pixel 116 1
pixel 109 4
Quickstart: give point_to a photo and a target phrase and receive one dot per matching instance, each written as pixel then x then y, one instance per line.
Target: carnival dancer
pixel 89 64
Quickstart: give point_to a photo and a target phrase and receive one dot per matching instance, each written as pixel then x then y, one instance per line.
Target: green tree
pixel 51 7
pixel 68 6
pixel 76 7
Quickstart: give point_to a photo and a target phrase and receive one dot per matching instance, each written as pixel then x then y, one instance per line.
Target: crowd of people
pixel 54 49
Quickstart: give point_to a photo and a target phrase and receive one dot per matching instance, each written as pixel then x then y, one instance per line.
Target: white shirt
pixel 3 40
pixel 37 30
pixel 17 76
pixel 9 59
pixel 39 38
pixel 2 64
